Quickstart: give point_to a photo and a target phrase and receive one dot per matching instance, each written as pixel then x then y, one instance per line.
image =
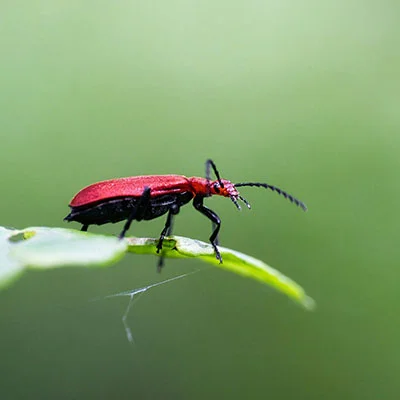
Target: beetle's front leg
pixel 199 206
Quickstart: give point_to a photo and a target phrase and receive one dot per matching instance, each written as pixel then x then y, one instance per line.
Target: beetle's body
pixel 151 196
pixel 114 200
pixel 120 208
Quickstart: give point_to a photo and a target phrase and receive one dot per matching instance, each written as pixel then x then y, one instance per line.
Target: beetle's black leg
pixel 213 227
pixel 168 226
pixel 84 228
pixel 166 232
pixel 138 211
pixel 208 176
pixel 210 164
pixel 166 229
pixel 199 206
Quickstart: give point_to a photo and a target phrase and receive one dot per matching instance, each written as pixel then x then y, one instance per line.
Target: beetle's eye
pixel 216 187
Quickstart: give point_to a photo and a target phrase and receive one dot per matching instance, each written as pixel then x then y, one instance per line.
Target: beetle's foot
pixel 217 254
pixel 160 264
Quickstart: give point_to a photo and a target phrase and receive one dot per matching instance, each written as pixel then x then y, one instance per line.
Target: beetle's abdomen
pixel 113 211
pixel 119 209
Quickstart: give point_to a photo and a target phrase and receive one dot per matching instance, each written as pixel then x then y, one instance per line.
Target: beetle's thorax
pixel 204 187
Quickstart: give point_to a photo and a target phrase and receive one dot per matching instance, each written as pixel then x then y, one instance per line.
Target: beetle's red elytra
pixel 160 185
pixel 151 196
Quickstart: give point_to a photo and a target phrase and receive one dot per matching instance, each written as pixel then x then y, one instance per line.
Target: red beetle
pixel 148 197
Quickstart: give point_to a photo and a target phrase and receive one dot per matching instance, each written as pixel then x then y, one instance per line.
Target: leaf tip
pixel 309 303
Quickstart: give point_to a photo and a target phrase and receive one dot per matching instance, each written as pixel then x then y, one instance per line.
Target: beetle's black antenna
pixel 275 189
pixel 210 163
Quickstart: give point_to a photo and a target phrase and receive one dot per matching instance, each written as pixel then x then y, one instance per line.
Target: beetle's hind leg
pixel 84 228
pixel 138 211
pixel 166 232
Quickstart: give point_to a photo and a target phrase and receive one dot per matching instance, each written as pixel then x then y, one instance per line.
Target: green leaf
pixel 43 248
pixel 57 247
pixel 10 268
pixel 53 247
pixel 234 261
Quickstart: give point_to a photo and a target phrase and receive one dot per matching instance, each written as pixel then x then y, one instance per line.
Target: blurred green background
pixel 302 95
